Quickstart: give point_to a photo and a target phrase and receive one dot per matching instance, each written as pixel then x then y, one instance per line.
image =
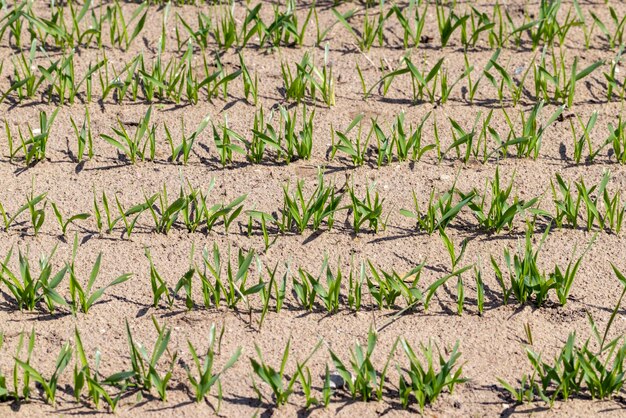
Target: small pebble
pixel 336 381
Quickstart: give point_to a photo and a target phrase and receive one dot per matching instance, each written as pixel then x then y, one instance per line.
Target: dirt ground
pixel 492 345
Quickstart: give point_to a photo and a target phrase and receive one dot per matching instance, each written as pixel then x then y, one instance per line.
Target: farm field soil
pixel 492 345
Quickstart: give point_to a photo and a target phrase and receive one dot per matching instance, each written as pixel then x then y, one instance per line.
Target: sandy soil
pixel 492 345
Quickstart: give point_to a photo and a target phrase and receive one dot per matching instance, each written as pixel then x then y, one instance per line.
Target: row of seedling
pixel 282 136
pixel 495 209
pixel 225 280
pixel 554 79
pixel 421 381
pixel 178 79
pixel 495 26
pixel 225 27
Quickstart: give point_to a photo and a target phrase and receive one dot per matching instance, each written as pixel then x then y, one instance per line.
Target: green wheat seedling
pixel 356 149
pixel 276 288
pixel 262 219
pixel 454 261
pixel 62 83
pixel 421 83
pixel 304 289
pixel 119 84
pixel 402 142
pixel 355 287
pixel 221 32
pixel 166 214
pixel 616 38
pixel 423 381
pixel 617 139
pixel 226 140
pixel 41 29
pixel 460 137
pixel 131 215
pixel 386 287
pixel 64 223
pixel 186 282
pixel 546 28
pixel 289 143
pixel 528 143
pixel 440 211
pixel 611 79
pixel 37 214
pixel 224 31
pixel 359 373
pixel 367 209
pixel 227 213
pixel 306 382
pixel 183 149
pixel 584 25
pixel 329 294
pixel 172 81
pixel 30 289
pixel 308 80
pixel 584 139
pixel 307 288
pixel 84 138
pixel 215 82
pixel 49 385
pixel 143 375
pixel 565 278
pixel 25 81
pixel 158 285
pixel 275 379
pixel 448 23
pixel 255 147
pixel 412 23
pixel 478 23
pixel 102 215
pixel 473 84
pixel 82 299
pixel 409 141
pixel 516 88
pixel 609 219
pixel 119 27
pixel 566 203
pixel 446 86
pixel 205 377
pixel 285 29
pixel 372 29
pixel 494 210
pixel 227 281
pixel 299 212
pixel 86 377
pixel 480 288
pixel 250 84
pixel 297 84
pixel 134 147
pixel 24 378
pixel 563 87
pixel 526 282
pixel 34 143
pixel 14 24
